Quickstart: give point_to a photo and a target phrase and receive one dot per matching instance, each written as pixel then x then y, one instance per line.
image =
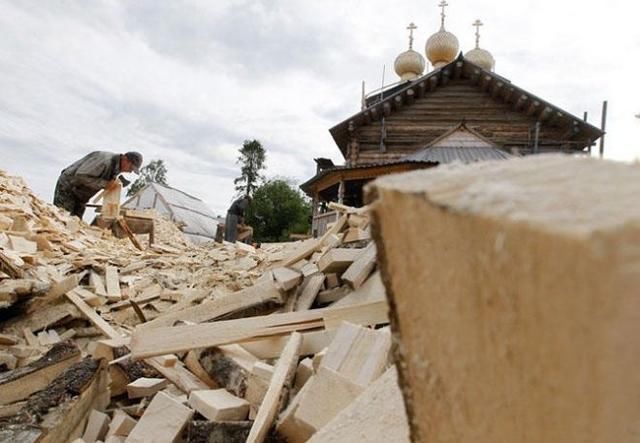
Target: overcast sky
pixel 187 81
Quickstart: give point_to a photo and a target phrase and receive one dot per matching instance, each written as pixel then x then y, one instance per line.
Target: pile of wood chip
pixel 100 341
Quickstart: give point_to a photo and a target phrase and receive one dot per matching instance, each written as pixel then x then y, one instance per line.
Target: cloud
pixel 188 81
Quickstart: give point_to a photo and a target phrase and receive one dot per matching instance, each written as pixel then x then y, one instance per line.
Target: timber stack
pixel 101 341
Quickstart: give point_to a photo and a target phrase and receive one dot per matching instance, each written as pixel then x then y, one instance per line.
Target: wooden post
pixel 603 126
pixel 341 192
pixel 536 138
pixel 111 202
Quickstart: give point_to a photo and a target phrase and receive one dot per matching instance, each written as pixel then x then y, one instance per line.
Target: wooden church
pixel 461 111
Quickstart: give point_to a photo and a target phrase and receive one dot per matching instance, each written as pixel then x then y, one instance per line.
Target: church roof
pixel 493 84
pixel 450 154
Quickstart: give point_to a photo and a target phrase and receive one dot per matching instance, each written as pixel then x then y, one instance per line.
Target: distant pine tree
pixel 252 158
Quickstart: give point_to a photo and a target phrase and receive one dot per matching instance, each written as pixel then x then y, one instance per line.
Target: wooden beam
pixel 357 273
pixel 271 347
pixel 282 376
pixel 361 420
pixel 309 292
pixel 166 340
pixel 209 310
pixel 219 405
pixel 375 116
pixel 386 109
pixel 521 102
pixel 445 76
pixel 433 83
pixel 533 107
pixel 285 278
pixel 496 89
pixel 475 76
pixel 92 315
pixel 588 287
pixel 410 96
pixel 485 82
pixel 20 383
pixel 162 421
pixel 508 93
pixel 457 70
pixel 338 259
pixel 397 102
pixel 145 387
pixel 545 114
pixel 112 282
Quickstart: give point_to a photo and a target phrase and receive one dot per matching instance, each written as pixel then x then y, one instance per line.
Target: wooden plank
pixel 271 347
pixel 192 362
pixel 162 422
pixel 219 405
pixel 326 394
pixel 371 290
pixel 286 278
pixel 358 354
pixel 20 383
pixel 554 318
pixel 158 341
pixel 22 245
pixel 97 284
pixel 360 269
pixel 112 283
pixel 356 234
pixel 145 387
pixel 178 375
pixel 309 292
pixel 97 427
pixel 121 424
pixel 246 298
pixel 315 245
pixel 338 259
pixel 282 376
pixel 89 297
pixel 375 416
pixel 92 315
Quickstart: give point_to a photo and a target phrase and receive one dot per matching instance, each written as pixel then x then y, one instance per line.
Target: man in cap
pixel 95 171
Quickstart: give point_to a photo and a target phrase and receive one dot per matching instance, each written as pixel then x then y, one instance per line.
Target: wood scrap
pixel 145 387
pixel 219 405
pixel 21 382
pixel 162 421
pixel 147 342
pixel 338 259
pixel 282 377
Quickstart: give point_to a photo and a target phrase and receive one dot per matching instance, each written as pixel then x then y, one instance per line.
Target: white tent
pixel 200 223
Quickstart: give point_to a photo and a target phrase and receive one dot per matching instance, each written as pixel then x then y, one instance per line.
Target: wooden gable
pixel 416 115
pixel 463 137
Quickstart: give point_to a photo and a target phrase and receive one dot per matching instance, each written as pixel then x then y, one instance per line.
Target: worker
pixel 95 171
pixel 235 229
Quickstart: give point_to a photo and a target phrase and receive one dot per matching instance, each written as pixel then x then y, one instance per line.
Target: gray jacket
pixel 90 174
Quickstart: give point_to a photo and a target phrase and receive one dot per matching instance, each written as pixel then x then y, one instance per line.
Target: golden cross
pixel 411 27
pixel 477 24
pixel 442 5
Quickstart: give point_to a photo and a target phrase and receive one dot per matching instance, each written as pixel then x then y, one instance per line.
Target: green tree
pixel 277 210
pixel 252 158
pixel 155 172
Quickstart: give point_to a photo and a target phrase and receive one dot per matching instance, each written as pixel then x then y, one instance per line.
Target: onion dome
pixel 410 64
pixel 442 47
pixel 479 56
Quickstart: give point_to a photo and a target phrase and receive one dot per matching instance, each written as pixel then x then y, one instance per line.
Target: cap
pixel 136 160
